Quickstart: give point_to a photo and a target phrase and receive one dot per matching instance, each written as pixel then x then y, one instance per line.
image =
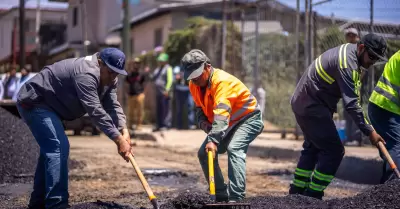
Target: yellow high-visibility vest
pixel 386 92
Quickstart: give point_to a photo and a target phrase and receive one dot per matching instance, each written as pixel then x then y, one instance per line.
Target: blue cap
pixel 114 59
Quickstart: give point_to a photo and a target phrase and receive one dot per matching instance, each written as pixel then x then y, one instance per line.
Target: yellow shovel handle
pixel 211 174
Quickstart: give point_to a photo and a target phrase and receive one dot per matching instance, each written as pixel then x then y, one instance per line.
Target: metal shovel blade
pixel 227 206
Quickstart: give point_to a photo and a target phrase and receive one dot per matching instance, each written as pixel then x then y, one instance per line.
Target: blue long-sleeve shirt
pixel 71 88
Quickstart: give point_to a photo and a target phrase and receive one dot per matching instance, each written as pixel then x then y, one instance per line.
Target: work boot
pixel 296 190
pixel 312 193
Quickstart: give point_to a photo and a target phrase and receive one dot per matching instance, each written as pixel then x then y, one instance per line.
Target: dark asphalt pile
pixel 100 205
pixel 186 200
pixel 380 196
pixel 18 149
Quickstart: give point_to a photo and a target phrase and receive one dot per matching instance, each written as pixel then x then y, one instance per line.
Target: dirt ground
pixel 103 175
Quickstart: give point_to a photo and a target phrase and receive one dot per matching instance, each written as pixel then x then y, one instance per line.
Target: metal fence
pixel 285 42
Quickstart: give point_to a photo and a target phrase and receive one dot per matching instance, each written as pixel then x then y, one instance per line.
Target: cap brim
pixel 194 74
pixel 379 56
pixel 122 72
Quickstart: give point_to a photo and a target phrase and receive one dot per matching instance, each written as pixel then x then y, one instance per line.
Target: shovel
pixel 146 186
pixel 389 159
pixel 212 190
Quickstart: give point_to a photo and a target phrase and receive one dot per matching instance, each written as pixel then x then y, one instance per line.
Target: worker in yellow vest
pixel 384 111
pixel 231 117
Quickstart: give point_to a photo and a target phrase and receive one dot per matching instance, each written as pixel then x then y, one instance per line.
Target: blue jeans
pixel 50 188
pixel 163 111
pixel 184 98
pixel 387 125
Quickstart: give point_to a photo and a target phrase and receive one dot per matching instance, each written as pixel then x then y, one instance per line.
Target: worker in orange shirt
pixel 231 117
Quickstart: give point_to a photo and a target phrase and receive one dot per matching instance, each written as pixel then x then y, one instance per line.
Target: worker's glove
pixel 205 126
pixel 375 138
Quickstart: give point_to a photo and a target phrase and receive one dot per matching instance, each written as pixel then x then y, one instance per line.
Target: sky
pixel 385 11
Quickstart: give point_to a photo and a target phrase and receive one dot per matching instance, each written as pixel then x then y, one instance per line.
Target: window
pixel 158 37
pixel 75 16
pixel 132 44
pixel 2 37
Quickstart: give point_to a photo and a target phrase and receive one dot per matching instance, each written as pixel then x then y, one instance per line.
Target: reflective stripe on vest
pixel 386 96
pixel 321 72
pixel 386 92
pixel 343 58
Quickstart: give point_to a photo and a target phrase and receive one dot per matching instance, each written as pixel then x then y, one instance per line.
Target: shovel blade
pixel 227 206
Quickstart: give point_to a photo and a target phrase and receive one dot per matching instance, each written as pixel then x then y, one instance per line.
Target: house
pixel 10 19
pixel 89 22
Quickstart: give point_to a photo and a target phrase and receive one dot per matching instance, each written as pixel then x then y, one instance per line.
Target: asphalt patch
pixel 18 150
pixel 100 205
pixel 379 196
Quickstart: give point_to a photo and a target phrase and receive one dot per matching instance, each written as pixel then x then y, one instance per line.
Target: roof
pixel 157 9
pixel 4 13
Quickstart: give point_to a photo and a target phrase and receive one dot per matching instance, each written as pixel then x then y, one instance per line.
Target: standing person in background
pixel 1 90
pixel 163 78
pixel 353 133
pixel 10 83
pixel 136 81
pixel 25 76
pixel 183 100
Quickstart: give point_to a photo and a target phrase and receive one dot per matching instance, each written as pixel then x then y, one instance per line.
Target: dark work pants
pixel 163 111
pixel 321 155
pixel 184 100
pixel 387 125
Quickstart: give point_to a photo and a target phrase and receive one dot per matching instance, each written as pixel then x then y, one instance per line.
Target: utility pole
pixel 126 47
pixel 306 41
pixel 311 33
pixel 243 44
pixel 371 30
pixel 297 39
pixel 38 20
pixel 256 73
pixel 84 28
pixel 21 33
pixel 37 36
pixel 223 47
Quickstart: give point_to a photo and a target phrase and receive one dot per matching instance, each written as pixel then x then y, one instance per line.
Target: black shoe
pixel 222 198
pixel 312 193
pixel 296 190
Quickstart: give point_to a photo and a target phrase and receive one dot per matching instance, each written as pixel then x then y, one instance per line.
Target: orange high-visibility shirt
pixel 226 101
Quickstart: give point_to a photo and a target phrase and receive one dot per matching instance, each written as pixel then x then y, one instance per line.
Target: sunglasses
pixel 371 55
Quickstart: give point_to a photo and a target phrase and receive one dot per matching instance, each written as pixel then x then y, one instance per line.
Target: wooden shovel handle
pixel 389 158
pixel 142 178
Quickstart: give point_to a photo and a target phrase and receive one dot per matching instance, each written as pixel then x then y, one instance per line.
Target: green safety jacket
pixel 386 92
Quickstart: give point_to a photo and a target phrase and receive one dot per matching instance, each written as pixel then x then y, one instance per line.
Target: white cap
pixel 351 30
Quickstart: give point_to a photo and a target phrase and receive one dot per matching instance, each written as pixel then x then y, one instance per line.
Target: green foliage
pixel 278 71
pixel 333 37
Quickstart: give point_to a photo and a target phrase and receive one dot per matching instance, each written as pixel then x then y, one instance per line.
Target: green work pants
pixel 235 144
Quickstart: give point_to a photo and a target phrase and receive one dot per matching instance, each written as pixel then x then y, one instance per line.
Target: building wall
pixel 6 27
pixel 143 35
